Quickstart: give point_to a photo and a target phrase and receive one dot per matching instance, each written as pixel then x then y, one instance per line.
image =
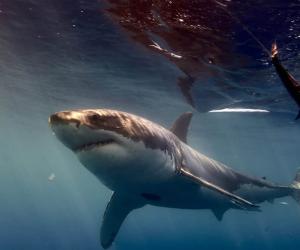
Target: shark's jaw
pixel 83 139
pixel 92 145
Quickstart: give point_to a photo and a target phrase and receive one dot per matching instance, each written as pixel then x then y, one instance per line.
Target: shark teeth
pixel 92 145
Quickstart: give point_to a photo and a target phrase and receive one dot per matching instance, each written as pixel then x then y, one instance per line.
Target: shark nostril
pixel 73 123
pixel 57 118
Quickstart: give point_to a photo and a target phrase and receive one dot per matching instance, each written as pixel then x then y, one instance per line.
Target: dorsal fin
pixel 181 125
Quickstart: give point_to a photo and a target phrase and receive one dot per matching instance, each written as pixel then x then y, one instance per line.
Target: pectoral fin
pixel 239 201
pixel 116 211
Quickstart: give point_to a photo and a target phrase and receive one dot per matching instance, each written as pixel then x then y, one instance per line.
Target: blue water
pixel 60 54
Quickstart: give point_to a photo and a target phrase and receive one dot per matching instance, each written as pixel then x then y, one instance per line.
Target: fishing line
pixel 263 47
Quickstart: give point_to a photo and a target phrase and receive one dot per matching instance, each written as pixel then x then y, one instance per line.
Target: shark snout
pixel 64 117
pixel 57 118
pixel 66 127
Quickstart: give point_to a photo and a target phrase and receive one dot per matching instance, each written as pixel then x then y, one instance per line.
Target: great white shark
pixel 145 163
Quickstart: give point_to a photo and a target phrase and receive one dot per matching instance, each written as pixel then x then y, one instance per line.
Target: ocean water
pixel 60 54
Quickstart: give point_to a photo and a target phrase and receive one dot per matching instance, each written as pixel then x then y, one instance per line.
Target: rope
pixel 263 47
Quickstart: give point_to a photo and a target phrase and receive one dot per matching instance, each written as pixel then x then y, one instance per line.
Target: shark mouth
pixel 90 146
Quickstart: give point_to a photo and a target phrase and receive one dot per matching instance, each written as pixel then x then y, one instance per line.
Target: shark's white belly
pixel 119 171
pixel 151 176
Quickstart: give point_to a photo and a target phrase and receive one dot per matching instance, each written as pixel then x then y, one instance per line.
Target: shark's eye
pixel 94 117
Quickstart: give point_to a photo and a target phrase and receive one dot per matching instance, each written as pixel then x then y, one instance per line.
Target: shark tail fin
pixel 296 187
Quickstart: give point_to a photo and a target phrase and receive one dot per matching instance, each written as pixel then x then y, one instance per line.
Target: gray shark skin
pixel 145 163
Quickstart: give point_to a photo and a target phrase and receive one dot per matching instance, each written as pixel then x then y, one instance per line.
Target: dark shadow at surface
pixel 204 42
